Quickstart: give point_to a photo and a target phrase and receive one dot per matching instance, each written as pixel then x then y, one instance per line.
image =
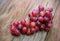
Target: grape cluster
pixel 39 19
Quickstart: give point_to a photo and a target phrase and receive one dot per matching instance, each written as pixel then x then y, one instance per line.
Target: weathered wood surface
pixel 54 33
pixel 14 10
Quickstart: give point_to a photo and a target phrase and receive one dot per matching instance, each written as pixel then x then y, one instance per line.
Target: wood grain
pixel 14 10
pixel 54 33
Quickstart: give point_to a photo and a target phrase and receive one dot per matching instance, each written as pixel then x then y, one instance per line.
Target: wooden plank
pixel 5 22
pixel 17 10
pixel 27 38
pixel 3 5
pixel 54 33
pixel 32 37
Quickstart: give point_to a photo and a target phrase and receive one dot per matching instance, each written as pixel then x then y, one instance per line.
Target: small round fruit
pixel 28 32
pixel 24 30
pixel 12 28
pixel 37 28
pixel 33 19
pixel 48 14
pixel 42 27
pixel 49 25
pixel 23 21
pixel 30 15
pixel 35 12
pixel 41 7
pixel 27 24
pixel 42 13
pixel 15 23
pixel 49 9
pixel 46 19
pixel 19 27
pixel 38 23
pixel 32 24
pixel 50 21
pixel 16 33
pixel 47 29
pixel 41 19
pixel 32 30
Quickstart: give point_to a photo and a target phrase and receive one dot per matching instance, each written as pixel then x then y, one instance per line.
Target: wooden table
pixel 14 10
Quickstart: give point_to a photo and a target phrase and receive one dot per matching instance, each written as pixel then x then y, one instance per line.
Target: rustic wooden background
pixel 14 10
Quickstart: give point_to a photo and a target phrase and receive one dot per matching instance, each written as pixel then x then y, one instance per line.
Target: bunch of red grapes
pixel 39 19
